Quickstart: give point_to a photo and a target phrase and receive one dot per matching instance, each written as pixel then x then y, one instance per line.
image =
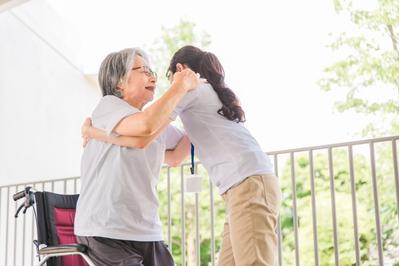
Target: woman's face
pixel 140 87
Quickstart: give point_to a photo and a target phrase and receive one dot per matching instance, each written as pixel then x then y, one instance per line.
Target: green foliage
pixel 369 63
pixel 343 202
pixel 203 208
pixel 173 38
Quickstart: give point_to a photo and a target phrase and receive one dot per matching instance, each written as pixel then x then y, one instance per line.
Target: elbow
pixel 149 130
pixel 174 162
pixel 143 144
pixel 150 127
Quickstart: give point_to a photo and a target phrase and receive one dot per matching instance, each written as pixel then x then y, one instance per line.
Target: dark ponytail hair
pixel 209 67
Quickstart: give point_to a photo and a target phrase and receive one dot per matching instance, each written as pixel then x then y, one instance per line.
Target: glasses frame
pixel 146 70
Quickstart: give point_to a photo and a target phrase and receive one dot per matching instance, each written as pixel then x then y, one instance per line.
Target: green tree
pixel 173 38
pixel 344 218
pixel 369 65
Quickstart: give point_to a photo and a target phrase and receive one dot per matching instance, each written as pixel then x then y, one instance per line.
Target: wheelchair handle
pixel 19 195
pixel 24 193
pixel 27 193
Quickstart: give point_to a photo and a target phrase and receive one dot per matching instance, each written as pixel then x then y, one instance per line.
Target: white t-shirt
pixel 227 149
pixel 118 197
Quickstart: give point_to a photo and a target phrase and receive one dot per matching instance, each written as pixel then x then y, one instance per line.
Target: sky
pixel 273 52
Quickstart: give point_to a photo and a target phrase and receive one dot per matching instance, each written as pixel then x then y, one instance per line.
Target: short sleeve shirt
pixel 118 197
pixel 227 149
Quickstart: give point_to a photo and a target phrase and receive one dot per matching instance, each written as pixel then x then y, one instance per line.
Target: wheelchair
pixel 55 213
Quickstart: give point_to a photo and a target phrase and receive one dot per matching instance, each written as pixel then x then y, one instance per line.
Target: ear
pixel 180 67
pixel 121 87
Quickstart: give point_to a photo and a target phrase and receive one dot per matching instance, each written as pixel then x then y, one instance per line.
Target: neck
pixel 137 105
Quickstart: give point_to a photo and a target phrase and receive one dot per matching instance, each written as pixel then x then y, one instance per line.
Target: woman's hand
pixel 186 78
pixel 87 124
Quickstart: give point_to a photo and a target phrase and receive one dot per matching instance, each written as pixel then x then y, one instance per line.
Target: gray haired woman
pixel 117 211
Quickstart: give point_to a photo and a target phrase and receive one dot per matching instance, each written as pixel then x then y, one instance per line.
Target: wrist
pixel 87 132
pixel 178 87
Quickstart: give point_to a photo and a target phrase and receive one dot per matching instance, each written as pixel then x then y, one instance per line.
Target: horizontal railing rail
pixel 311 177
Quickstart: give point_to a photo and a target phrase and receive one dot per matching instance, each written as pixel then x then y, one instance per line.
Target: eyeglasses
pixel 147 71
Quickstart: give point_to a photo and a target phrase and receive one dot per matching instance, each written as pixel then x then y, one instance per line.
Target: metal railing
pixel 16 234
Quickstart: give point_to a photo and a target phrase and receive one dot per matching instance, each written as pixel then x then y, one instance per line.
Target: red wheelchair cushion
pixel 64 222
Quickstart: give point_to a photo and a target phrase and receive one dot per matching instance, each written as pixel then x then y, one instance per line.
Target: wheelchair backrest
pixel 55 224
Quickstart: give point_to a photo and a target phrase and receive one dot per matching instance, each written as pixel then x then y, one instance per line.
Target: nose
pixel 153 78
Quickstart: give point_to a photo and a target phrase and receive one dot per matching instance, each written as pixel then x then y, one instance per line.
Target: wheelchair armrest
pixel 63 249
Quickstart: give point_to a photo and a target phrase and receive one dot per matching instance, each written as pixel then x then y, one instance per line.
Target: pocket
pixel 241 196
pixel 273 194
pixel 238 193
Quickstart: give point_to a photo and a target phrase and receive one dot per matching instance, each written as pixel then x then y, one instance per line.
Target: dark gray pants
pixel 114 252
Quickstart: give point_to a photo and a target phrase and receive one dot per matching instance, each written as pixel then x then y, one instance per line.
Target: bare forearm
pixel 175 157
pixel 159 112
pixel 150 120
pixel 139 142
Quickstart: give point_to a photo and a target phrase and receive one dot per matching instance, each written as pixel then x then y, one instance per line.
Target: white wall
pixel 44 97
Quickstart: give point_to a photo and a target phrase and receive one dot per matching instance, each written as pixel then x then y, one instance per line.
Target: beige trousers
pixel 252 210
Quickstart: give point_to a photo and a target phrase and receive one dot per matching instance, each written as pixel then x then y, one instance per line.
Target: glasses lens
pixel 149 72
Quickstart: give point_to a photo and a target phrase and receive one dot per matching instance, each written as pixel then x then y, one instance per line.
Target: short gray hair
pixel 115 69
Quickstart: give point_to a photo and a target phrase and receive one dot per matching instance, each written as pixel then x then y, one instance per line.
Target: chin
pixel 147 102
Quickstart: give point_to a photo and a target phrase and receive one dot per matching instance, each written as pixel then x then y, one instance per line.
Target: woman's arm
pixel 149 121
pixel 172 157
pixel 141 142
pixel 175 157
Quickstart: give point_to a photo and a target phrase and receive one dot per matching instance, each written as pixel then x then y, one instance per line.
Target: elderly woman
pixel 117 211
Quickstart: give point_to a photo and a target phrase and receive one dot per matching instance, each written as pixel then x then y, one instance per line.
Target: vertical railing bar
pixel 354 205
pixel 396 173
pixel 279 218
pixel 65 186
pixel 23 241
pixel 169 208
pixel 313 208
pixel 295 224
pixel 42 189
pixel 33 232
pixel 52 186
pixel 7 221
pixel 75 186
pixel 376 203
pixel 212 223
pixel 15 231
pixel 333 205
pixel 1 193
pixel 183 249
pixel 197 225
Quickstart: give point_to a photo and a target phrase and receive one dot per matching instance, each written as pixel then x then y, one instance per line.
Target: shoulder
pixel 110 103
pixel 202 90
pixel 205 86
pixel 114 101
